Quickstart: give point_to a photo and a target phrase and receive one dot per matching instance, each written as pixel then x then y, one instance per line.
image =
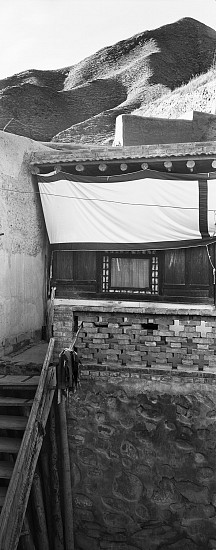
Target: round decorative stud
pixel 190 164
pixel 79 167
pixel 57 168
pixel 102 167
pixel 35 170
pixel 144 166
pixel 214 164
pixel 168 165
pixel 123 167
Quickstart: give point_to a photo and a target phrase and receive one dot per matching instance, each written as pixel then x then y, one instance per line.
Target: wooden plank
pixel 174 267
pixel 6 469
pixel 10 444
pixel 16 500
pixel 198 266
pixel 6 401
pixel 19 381
pixel 8 422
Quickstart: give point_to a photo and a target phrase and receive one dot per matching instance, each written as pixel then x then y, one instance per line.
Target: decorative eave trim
pixel 142 153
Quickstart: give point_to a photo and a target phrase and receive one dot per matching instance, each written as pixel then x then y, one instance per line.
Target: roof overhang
pixel 67 154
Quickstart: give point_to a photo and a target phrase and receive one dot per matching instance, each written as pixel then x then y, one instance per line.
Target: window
pixel 130 273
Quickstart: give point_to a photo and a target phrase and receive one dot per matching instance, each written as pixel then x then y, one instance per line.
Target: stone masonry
pixel 143 463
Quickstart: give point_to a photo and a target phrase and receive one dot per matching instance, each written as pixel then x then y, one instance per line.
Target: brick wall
pixel 136 338
pixel 141 428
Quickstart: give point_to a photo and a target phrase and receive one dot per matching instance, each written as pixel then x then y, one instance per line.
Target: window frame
pixel 151 290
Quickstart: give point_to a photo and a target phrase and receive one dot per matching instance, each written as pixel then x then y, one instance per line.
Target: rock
pixel 128 449
pixel 201 530
pixel 149 414
pixel 116 546
pixel 142 512
pixel 199 458
pixel 184 446
pixel 87 456
pixel 115 504
pixel 193 493
pixel 199 511
pixel 127 463
pixel 163 470
pixel 95 471
pixel 86 543
pixel 83 515
pixel 100 417
pixel 82 501
pixel 182 544
pixel 75 474
pixel 204 474
pixel 117 520
pixel 127 486
pixel 126 422
pixel 105 430
pixel 165 494
pixel 122 396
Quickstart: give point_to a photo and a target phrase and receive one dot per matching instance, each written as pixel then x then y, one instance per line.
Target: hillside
pixel 154 73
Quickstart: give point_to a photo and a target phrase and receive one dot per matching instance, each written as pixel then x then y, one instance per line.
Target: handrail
pixel 16 500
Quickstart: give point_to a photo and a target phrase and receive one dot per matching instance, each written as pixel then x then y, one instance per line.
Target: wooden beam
pixel 39 512
pixel 58 536
pixel 26 536
pixel 66 478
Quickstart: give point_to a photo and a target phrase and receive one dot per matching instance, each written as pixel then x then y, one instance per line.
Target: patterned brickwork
pixel 129 340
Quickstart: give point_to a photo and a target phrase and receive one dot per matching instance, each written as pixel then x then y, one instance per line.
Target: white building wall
pixel 23 247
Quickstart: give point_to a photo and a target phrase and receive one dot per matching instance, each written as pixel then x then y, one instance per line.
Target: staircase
pixel 16 399
pixel 25 402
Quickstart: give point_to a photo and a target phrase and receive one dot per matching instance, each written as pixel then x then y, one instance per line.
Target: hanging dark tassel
pixel 68 370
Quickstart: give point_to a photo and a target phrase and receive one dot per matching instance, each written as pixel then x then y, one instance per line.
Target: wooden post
pixel 26 541
pixel 38 505
pixel 46 478
pixel 58 536
pixel 66 477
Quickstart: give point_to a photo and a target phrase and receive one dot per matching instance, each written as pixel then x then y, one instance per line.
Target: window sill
pixel 165 308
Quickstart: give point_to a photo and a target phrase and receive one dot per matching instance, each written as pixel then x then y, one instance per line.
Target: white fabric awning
pixel 142 211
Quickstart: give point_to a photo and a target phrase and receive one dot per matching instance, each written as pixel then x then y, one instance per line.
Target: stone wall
pixel 143 462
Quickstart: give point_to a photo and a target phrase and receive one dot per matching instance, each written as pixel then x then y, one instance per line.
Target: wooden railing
pixel 14 508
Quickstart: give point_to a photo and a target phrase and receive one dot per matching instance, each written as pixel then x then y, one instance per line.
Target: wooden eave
pixel 71 154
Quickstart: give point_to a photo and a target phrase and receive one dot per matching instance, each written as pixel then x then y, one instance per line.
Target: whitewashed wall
pixel 23 247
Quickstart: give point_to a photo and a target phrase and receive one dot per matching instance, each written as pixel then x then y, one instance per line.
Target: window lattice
pixel 150 282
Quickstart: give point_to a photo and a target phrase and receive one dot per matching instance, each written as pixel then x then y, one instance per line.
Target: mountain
pixel 154 73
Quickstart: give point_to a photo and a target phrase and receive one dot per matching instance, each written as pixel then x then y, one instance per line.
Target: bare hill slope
pixel 141 74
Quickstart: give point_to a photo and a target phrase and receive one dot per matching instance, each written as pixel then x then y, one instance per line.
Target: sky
pixel 52 34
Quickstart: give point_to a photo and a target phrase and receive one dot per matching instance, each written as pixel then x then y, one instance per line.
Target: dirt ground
pixel 29 359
